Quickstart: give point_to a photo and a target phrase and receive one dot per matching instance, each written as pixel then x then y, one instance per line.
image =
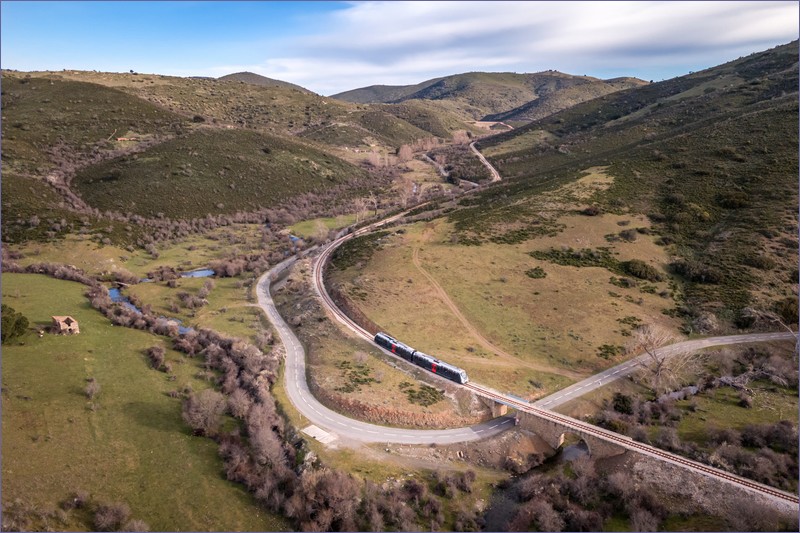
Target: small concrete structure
pixel 65 325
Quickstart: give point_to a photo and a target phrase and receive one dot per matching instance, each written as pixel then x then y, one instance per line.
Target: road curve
pixel 775 495
pixel 624 369
pixel 333 422
pixel 300 395
pixel 495 174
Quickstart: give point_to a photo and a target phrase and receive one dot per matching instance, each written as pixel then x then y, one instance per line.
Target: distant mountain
pixel 484 94
pixel 558 100
pixel 258 79
pixel 383 94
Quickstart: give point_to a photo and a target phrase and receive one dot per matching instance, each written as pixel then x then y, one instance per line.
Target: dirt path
pixel 509 360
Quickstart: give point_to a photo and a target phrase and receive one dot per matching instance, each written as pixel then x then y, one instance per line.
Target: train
pixel 421 359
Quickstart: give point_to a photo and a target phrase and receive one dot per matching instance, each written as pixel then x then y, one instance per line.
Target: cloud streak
pixel 408 42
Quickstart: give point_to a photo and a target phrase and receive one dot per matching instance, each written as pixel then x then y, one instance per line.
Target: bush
pixel 697 272
pixel 92 388
pixel 111 517
pixel 203 411
pixel 14 324
pixel 640 269
pixel 760 262
pixel 156 356
pixel 536 273
pixel 623 403
pixel 787 308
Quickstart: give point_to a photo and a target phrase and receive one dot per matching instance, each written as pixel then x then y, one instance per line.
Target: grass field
pixel 190 253
pixel 352 376
pixel 310 228
pixel 228 310
pixel 547 329
pixel 134 447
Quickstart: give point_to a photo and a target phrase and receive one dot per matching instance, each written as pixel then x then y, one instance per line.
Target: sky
pixel 329 47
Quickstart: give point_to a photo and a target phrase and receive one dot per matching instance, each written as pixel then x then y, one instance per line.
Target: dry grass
pixel 337 362
pixel 551 327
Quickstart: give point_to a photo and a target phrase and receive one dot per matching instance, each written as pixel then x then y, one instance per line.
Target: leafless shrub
pixel 156 356
pixel 111 517
pixel 92 388
pixel 203 411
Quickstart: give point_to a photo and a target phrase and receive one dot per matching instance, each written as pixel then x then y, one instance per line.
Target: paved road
pixel 628 367
pixel 333 422
pixel 495 174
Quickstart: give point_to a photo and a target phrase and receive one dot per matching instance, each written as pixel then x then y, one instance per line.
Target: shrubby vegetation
pixel 766 452
pixel 600 257
pixel 14 324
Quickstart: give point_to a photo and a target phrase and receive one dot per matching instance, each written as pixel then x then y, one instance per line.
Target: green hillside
pixel 711 158
pixel 257 79
pixel 377 94
pixel 47 121
pixel 212 171
pixel 483 94
pixel 555 101
pixel 440 118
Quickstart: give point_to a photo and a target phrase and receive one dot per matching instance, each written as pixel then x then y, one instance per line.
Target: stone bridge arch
pixel 554 434
pixel 571 434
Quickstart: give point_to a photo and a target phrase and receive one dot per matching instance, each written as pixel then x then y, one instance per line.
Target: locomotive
pixel 421 359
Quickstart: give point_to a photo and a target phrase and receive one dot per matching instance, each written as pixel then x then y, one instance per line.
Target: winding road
pixel 330 421
pixel 629 367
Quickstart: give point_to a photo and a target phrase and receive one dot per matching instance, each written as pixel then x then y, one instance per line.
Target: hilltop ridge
pixel 485 94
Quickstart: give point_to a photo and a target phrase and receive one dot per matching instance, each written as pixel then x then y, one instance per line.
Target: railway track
pixel 567 422
pixel 628 443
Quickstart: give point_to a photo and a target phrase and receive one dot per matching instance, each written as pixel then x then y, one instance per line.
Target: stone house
pixel 65 325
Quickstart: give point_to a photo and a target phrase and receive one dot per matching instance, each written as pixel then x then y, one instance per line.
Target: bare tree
pixel 460 137
pixel 373 201
pixel 239 403
pixel 360 207
pixel 375 159
pixel 660 369
pixel 320 231
pixel 404 153
pixel 203 411
pixel 643 520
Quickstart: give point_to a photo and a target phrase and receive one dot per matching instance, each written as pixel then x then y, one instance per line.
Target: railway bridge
pixel 554 433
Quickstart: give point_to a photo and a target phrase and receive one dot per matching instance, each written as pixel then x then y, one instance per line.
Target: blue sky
pixel 335 46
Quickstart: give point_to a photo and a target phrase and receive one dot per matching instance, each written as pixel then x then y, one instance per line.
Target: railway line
pixel 628 443
pixel 567 422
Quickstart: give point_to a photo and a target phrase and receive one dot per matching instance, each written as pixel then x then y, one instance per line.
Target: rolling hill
pixel 711 158
pixel 212 171
pixel 257 79
pixel 484 93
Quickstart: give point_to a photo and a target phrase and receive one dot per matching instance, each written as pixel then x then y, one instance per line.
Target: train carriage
pixel 421 359
pixel 395 346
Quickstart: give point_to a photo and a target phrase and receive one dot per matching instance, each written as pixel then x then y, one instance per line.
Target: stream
pixel 117 296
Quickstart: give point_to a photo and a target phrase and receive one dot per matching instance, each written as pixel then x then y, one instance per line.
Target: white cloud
pixel 407 42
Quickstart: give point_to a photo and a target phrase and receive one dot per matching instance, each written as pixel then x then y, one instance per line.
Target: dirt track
pixel 506 358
